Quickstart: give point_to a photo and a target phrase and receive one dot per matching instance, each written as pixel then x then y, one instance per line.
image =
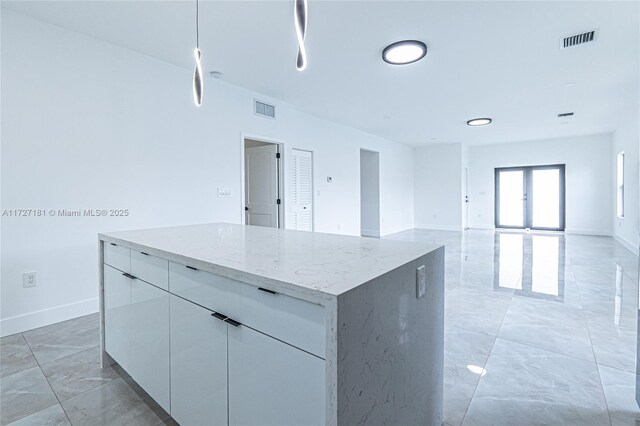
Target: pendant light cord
pixel 197 24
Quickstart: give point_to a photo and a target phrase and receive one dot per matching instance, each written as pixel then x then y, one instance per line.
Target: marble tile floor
pixel 540 329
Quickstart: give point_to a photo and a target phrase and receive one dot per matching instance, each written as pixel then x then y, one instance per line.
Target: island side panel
pixel 391 348
pixel 105 359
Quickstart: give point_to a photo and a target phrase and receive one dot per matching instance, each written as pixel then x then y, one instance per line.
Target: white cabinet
pixel 273 383
pixel 149 331
pixel 117 256
pixel 198 365
pixel 151 269
pixel 117 315
pixel 211 350
pixel 137 331
pixel 295 321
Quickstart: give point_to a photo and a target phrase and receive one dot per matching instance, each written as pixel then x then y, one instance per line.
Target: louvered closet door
pixel 302 186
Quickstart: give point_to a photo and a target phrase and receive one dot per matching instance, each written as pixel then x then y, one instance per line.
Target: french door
pixel 531 197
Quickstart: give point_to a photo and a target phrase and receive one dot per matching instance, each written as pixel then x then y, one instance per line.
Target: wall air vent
pixel 565 114
pixel 576 39
pixel 264 109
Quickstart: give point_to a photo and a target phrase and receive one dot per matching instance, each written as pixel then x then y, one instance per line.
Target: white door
pixel 302 187
pixel 465 202
pixel 261 185
pixel 272 383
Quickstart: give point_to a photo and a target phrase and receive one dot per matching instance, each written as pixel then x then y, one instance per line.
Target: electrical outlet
pixel 29 279
pixel 421 281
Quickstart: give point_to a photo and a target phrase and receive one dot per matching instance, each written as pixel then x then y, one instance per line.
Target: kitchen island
pixel 241 325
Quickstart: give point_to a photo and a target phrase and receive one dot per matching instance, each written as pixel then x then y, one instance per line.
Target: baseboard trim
pixel 587 231
pixel 632 248
pixel 440 227
pixel 31 320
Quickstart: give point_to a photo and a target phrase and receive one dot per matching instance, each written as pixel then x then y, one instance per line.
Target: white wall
pixel 626 138
pixel 369 194
pixel 588 173
pixel 89 125
pixel 438 187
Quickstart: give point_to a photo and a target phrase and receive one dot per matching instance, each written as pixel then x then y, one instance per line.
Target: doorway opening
pixel 263 184
pixel 530 197
pixel 369 193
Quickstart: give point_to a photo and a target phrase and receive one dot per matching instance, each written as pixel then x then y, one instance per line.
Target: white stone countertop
pixel 310 265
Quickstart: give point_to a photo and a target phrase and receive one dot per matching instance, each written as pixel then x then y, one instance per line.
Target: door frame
pixel 379 230
pixel 527 190
pixel 281 174
pixel 313 188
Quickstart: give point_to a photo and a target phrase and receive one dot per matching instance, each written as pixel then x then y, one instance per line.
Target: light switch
pixel 421 281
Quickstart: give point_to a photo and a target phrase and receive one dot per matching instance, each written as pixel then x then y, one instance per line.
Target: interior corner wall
pixel 627 139
pixel 588 173
pixel 438 187
pixel 90 125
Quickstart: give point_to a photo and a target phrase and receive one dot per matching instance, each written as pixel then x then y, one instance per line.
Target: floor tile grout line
pixel 466 412
pixel 604 396
pixel 48 382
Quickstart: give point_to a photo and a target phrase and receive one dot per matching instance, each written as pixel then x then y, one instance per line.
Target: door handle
pixel 246 208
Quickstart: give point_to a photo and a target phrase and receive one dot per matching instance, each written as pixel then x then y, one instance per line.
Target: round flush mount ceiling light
pixel 479 122
pixel 404 52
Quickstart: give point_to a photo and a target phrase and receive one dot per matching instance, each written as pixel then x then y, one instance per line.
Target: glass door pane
pixel 511 198
pixel 545 198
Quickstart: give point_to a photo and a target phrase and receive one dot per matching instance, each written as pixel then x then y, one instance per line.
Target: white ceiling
pixel 486 59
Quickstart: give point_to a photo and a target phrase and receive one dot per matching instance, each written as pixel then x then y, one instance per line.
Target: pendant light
pixel 300 21
pixel 198 82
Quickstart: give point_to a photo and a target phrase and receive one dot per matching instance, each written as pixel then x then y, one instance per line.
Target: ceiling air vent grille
pixel 264 109
pixel 576 39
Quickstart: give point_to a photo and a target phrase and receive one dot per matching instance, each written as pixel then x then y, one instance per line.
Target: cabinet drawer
pixel 151 269
pixel 294 321
pixel 117 256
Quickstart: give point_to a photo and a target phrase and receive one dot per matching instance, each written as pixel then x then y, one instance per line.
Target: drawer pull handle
pixel 146 254
pixel 131 277
pixel 191 267
pixel 232 322
pixel 267 290
pixel 219 316
pixel 113 244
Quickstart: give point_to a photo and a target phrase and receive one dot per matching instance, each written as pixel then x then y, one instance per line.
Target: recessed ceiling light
pixel 479 122
pixel 404 52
